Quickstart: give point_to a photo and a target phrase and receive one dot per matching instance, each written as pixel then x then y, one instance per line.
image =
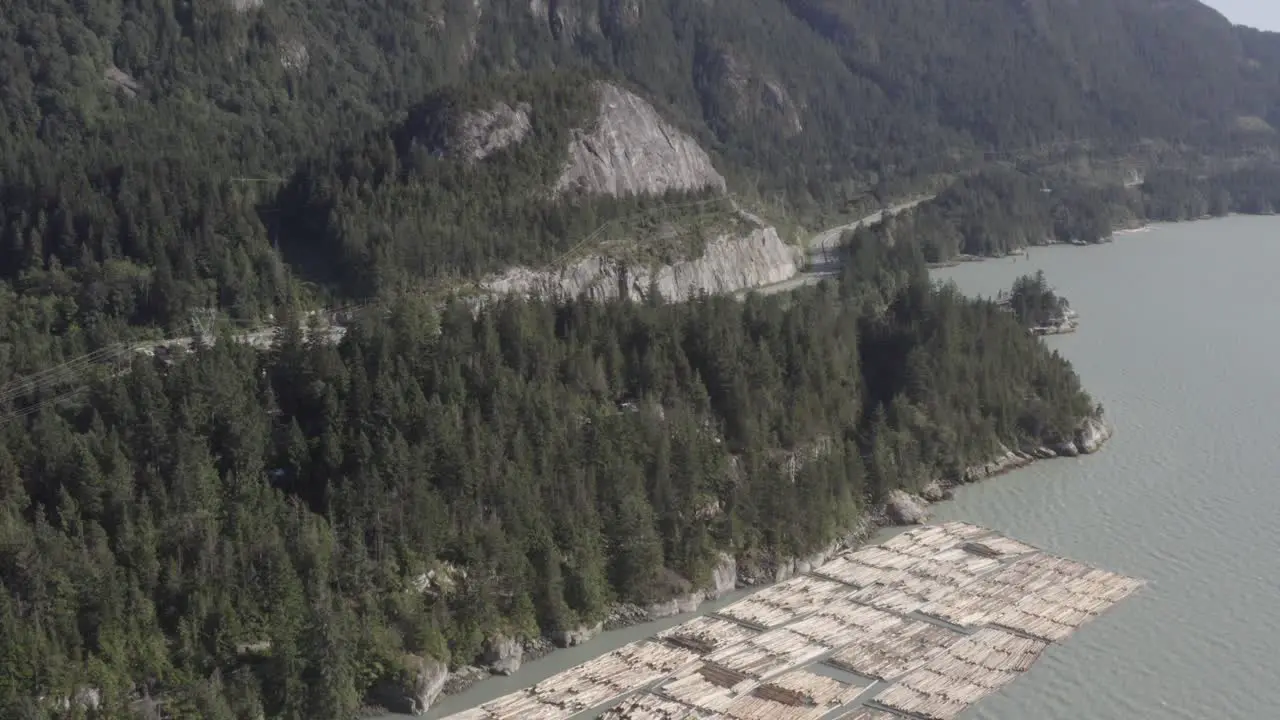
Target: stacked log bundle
pixel 707 634
pixel 770 653
pixel 647 706
pixel 844 621
pixel 786 601
pixel 709 687
pixel 810 688
pixel 896 651
pixel 797 695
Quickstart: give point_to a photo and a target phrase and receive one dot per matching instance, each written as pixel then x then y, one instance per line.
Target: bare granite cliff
pixel 633 151
pixel 483 132
pixel 730 263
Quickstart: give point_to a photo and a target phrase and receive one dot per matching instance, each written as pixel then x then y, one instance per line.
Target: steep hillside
pixel 145 147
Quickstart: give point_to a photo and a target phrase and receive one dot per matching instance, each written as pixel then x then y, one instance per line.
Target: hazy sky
pixel 1264 14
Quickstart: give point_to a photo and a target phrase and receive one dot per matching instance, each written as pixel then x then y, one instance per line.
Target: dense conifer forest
pixel 1002 210
pixel 548 460
pixel 243 534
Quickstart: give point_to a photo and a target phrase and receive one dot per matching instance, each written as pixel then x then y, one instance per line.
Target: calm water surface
pixel 1176 343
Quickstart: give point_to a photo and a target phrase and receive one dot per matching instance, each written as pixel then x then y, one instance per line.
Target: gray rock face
pixel 576 636
pixel 906 509
pixel 1066 448
pixel 1004 462
pixel 633 151
pixel 933 492
pixel 503 654
pixel 728 265
pixel 773 569
pixel 294 55
pixel 1088 438
pixel 412 694
pixel 676 606
pixel 724 576
pixel 483 133
pixel 1092 435
pixel 463 679
pixel 242 6
pixel 122 81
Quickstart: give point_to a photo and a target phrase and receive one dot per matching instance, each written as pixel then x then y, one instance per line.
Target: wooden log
pixel 869 713
pixel 647 706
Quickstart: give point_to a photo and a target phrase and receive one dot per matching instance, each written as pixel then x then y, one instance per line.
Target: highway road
pixel 823 257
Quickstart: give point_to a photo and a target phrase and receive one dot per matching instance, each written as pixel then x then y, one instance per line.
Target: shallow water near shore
pixel 1174 343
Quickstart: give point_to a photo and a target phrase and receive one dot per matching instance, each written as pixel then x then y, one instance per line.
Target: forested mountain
pixel 242 533
pixel 1002 210
pixel 155 155
pixel 238 534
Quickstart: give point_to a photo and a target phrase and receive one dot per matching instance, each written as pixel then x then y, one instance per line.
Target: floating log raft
pixel 786 601
pixel 844 621
pixel 706 634
pixel 590 684
pixel 975 604
pixel 931 539
pixel 962 675
pixel 998 546
pixel 895 651
pixel 473 714
pixel 867 713
pixel 523 704
pixel 810 688
pixel 769 654
pixel 1057 595
pixel 887 612
pixel 648 706
pixel 709 687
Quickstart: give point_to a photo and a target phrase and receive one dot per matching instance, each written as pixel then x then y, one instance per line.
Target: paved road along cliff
pixel 823 260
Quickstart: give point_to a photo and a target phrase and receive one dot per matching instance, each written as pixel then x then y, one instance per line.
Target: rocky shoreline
pixel 427 680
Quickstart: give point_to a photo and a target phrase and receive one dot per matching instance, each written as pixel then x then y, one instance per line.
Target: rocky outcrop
pixel 729 264
pixel 933 492
pixel 678 605
pixel 503 654
pixel 1088 438
pixel 418 685
pixel 484 132
pixel 724 579
pixel 244 6
pixel 1092 434
pixel 575 636
pixel 537 647
pixel 756 96
pixel 903 508
pixel 768 570
pixel 724 576
pixel 121 81
pixel 633 151
pixel 1004 461
pixel 463 679
pixel 294 55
